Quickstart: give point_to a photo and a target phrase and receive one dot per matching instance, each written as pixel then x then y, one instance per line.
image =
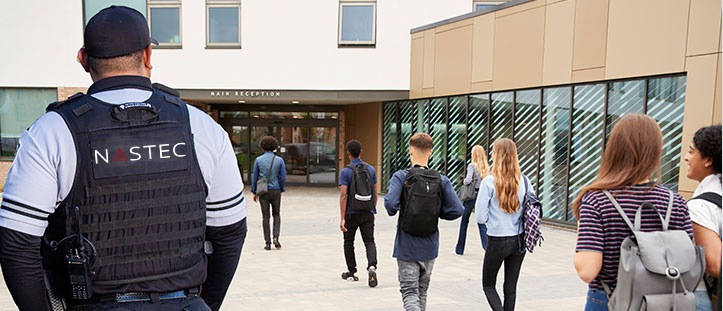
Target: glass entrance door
pixel 293 148
pixel 309 147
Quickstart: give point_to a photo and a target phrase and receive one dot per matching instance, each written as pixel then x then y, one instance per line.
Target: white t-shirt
pixel 43 171
pixel 704 213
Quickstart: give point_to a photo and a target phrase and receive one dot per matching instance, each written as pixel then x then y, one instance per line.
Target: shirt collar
pixel 711 183
pixel 121 82
pixel 356 161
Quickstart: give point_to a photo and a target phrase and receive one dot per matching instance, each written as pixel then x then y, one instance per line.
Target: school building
pixel 554 75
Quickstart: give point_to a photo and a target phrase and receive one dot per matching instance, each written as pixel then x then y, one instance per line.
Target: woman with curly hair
pixel 704 166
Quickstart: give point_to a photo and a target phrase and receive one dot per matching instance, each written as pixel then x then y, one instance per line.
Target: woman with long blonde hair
pixel 631 158
pixel 499 207
pixel 478 169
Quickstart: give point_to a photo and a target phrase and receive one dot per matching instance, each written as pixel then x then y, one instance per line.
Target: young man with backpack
pixel 421 196
pixel 358 200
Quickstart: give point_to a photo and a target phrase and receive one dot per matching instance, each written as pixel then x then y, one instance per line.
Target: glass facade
pixel 560 132
pixel 19 108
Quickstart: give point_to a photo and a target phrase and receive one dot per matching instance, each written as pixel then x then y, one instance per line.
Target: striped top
pixel 602 229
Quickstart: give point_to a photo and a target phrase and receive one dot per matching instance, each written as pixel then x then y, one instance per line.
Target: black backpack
pixel 421 202
pixel 361 189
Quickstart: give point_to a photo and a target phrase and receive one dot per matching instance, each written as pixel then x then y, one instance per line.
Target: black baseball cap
pixel 116 31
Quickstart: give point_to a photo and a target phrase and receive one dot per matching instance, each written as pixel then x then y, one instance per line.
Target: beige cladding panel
pixel 590 38
pixel 518 47
pixel 704 27
pixel 559 25
pixel 453 61
pixel 585 75
pixel 416 67
pixel 482 47
pixel 520 7
pixel 428 55
pixel 646 37
pixel 717 108
pixel 699 108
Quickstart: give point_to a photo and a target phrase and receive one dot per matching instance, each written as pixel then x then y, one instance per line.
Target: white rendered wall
pixel 286 44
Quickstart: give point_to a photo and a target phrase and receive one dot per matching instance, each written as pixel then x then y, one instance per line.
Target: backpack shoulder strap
pixel 619 209
pixel 711 197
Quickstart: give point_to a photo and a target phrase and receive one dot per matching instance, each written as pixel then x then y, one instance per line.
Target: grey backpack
pixel 658 270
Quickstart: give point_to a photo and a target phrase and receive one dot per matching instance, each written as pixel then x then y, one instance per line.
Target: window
pixel 90 8
pixel 357 22
pixel 481 5
pixel 19 108
pixel 164 19
pixel 223 23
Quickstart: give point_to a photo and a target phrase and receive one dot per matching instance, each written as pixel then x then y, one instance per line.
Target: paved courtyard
pixel 305 273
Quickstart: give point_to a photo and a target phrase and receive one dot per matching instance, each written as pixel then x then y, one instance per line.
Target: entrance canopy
pixel 304 97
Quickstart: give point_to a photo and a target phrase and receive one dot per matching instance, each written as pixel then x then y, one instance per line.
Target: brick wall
pixel 65 92
pixel 343 159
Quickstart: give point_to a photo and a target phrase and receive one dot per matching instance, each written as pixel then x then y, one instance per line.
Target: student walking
pixel 270 173
pixel 421 196
pixel 477 170
pixel 631 156
pixel 704 166
pixel 499 206
pixel 357 201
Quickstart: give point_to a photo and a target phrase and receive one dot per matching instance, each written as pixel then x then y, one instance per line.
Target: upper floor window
pixel 164 19
pixel 223 23
pixel 92 7
pixel 357 22
pixel 482 4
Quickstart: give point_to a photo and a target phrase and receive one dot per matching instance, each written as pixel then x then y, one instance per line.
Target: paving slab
pixel 305 274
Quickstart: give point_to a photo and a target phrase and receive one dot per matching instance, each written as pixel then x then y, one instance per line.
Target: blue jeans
pixel 194 303
pixel 597 300
pixel 468 208
pixel 702 301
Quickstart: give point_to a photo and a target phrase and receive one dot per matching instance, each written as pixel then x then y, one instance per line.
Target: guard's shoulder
pixel 70 99
pixel 166 89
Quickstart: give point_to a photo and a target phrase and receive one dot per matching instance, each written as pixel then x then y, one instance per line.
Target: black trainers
pixel 372 276
pixel 349 276
pixel 267 247
pixel 276 243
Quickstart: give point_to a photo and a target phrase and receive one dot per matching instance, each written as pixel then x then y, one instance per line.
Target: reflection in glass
pixel 223 25
pixel 478 7
pixel 624 97
pixel 588 124
pixel 293 148
pixel 92 7
pixel 278 115
pixel 408 126
pixel 527 132
pixel 357 23
pixel 239 136
pixel 438 131
pixel 389 142
pixel 500 118
pixel 553 151
pixel 456 141
pixel 233 114
pixel 324 115
pixel 477 129
pixel 165 26
pixel 322 155
pixel 19 108
pixel 666 100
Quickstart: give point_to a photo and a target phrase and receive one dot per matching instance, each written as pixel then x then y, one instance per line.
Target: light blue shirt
pixel 499 223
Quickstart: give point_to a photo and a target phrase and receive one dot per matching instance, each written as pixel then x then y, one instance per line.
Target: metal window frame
pixel 222 4
pixel 151 4
pixel 373 42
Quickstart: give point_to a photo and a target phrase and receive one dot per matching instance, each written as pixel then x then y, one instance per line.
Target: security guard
pixel 125 197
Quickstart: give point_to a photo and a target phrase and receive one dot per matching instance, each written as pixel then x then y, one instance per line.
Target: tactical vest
pixel 140 193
